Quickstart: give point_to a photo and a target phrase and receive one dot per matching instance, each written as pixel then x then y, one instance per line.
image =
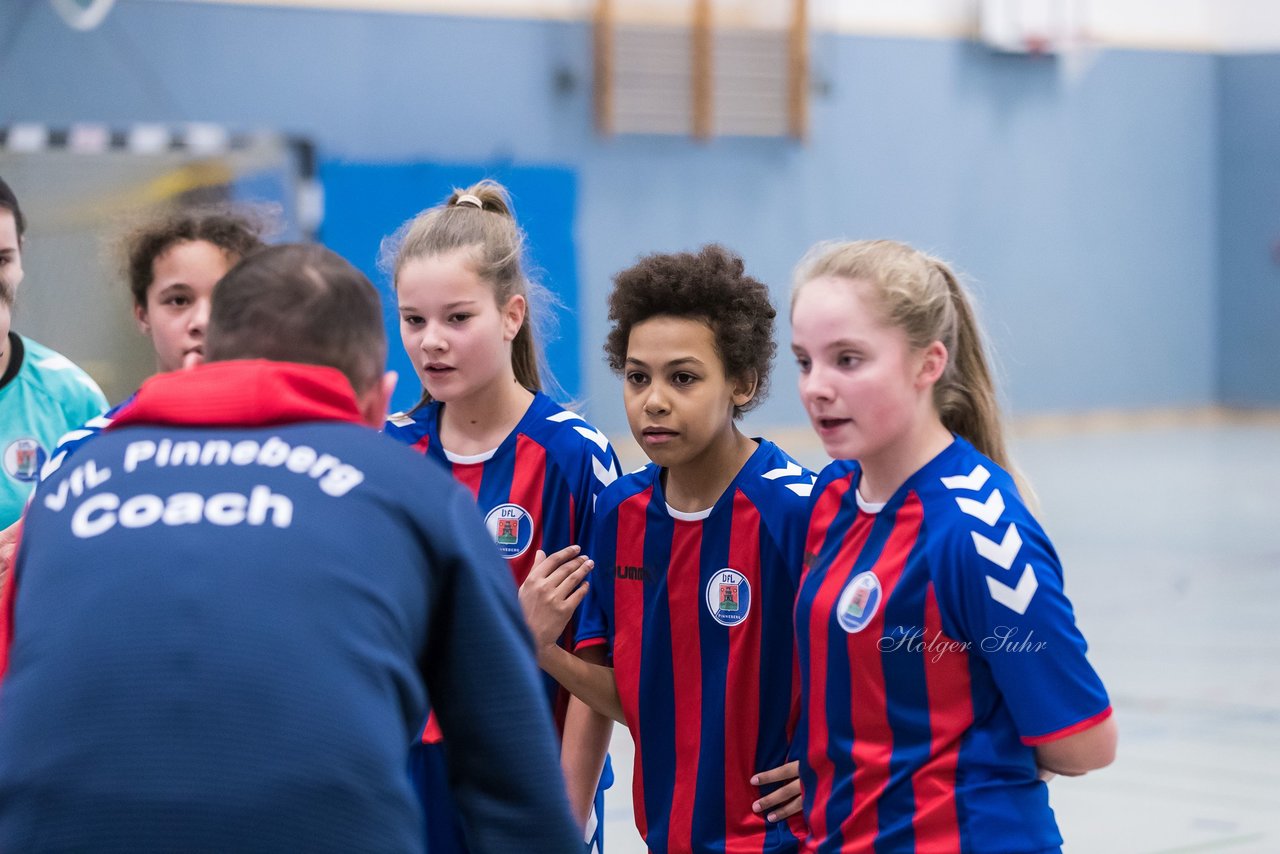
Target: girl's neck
pixel 480 421
pixel 886 471
pixel 699 483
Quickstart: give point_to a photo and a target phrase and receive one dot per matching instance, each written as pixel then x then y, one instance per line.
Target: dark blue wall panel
pixel 367 202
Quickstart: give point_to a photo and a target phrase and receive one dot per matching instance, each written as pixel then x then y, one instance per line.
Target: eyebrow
pixel 674 363
pixel 449 306
pixel 842 344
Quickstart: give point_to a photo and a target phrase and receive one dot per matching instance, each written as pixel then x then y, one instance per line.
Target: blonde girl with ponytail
pixel 466 308
pixel 943 679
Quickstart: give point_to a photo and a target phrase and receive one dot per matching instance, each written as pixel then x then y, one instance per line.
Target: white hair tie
pixel 468 199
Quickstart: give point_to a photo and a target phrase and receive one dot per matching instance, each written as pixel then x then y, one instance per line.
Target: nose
pixel 199 319
pixel 814 387
pixel 655 400
pixel 432 339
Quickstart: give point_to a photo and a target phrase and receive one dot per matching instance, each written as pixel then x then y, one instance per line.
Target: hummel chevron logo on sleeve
pixel 1015 598
pixel 594 436
pixel 988 511
pixel 606 476
pixel 792 469
pixel 1002 553
pixel 973 481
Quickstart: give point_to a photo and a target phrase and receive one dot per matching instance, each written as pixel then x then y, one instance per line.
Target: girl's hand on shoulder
pixel 785 801
pixel 552 592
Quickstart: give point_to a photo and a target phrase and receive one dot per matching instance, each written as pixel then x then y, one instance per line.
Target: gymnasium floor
pixel 1170 536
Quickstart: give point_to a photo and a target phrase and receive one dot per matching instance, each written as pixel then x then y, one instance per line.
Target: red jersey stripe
pixel 628 598
pixel 8 593
pixel 526 490
pixel 873 743
pixel 824 604
pixel 744 830
pixel 820 521
pixel 469 475
pixel 684 600
pixel 946 673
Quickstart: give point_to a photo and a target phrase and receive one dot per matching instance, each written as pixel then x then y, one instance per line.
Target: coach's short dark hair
pixel 710 286
pixel 299 303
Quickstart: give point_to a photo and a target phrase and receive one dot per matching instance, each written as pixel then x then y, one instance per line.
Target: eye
pixel 636 377
pixel 803 363
pixel 178 300
pixel 411 320
pixel 459 317
pixel 848 360
pixel 681 378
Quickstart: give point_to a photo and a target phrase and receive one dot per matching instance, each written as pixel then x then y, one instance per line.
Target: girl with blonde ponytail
pixel 466 321
pixel 943 679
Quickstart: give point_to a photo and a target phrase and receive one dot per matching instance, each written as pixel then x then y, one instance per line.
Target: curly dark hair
pixel 710 286
pixel 236 233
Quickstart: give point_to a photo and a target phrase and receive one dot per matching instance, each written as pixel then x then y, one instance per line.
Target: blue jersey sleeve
pixel 1000 589
pixel 600 468
pixel 595 615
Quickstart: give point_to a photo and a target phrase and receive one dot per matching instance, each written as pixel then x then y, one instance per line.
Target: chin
pixel 841 450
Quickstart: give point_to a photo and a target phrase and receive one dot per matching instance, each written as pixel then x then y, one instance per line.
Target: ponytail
pixel 480 219
pixel 965 394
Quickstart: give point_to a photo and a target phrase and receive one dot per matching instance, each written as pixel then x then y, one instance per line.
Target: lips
pixel 658 435
pixel 436 369
pixel 826 424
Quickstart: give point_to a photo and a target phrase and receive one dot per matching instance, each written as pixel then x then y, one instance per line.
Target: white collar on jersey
pixel 867 506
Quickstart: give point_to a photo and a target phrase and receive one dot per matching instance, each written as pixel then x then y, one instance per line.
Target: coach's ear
pixel 374 402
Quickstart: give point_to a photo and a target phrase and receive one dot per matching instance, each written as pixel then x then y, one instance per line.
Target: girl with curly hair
pixel 697 558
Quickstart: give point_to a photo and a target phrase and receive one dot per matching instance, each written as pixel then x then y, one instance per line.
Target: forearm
pixel 592 683
pixel 586 742
pixel 1080 753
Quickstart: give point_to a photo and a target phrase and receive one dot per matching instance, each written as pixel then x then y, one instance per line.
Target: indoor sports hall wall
pixel 1249 232
pixel 1093 214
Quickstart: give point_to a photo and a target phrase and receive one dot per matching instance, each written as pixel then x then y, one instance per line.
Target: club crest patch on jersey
pixel 859 602
pixel 23 459
pixel 729 597
pixel 511 527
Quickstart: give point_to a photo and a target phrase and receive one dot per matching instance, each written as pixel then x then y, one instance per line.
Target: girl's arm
pixel 549 595
pixel 591 683
pixel 586 742
pixel 1080 752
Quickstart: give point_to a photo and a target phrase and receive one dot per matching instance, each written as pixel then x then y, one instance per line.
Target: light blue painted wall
pixel 1085 212
pixel 1249 272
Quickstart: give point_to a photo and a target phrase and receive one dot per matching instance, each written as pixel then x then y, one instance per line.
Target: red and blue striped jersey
pixel 696 610
pixel 536 490
pixel 937 648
